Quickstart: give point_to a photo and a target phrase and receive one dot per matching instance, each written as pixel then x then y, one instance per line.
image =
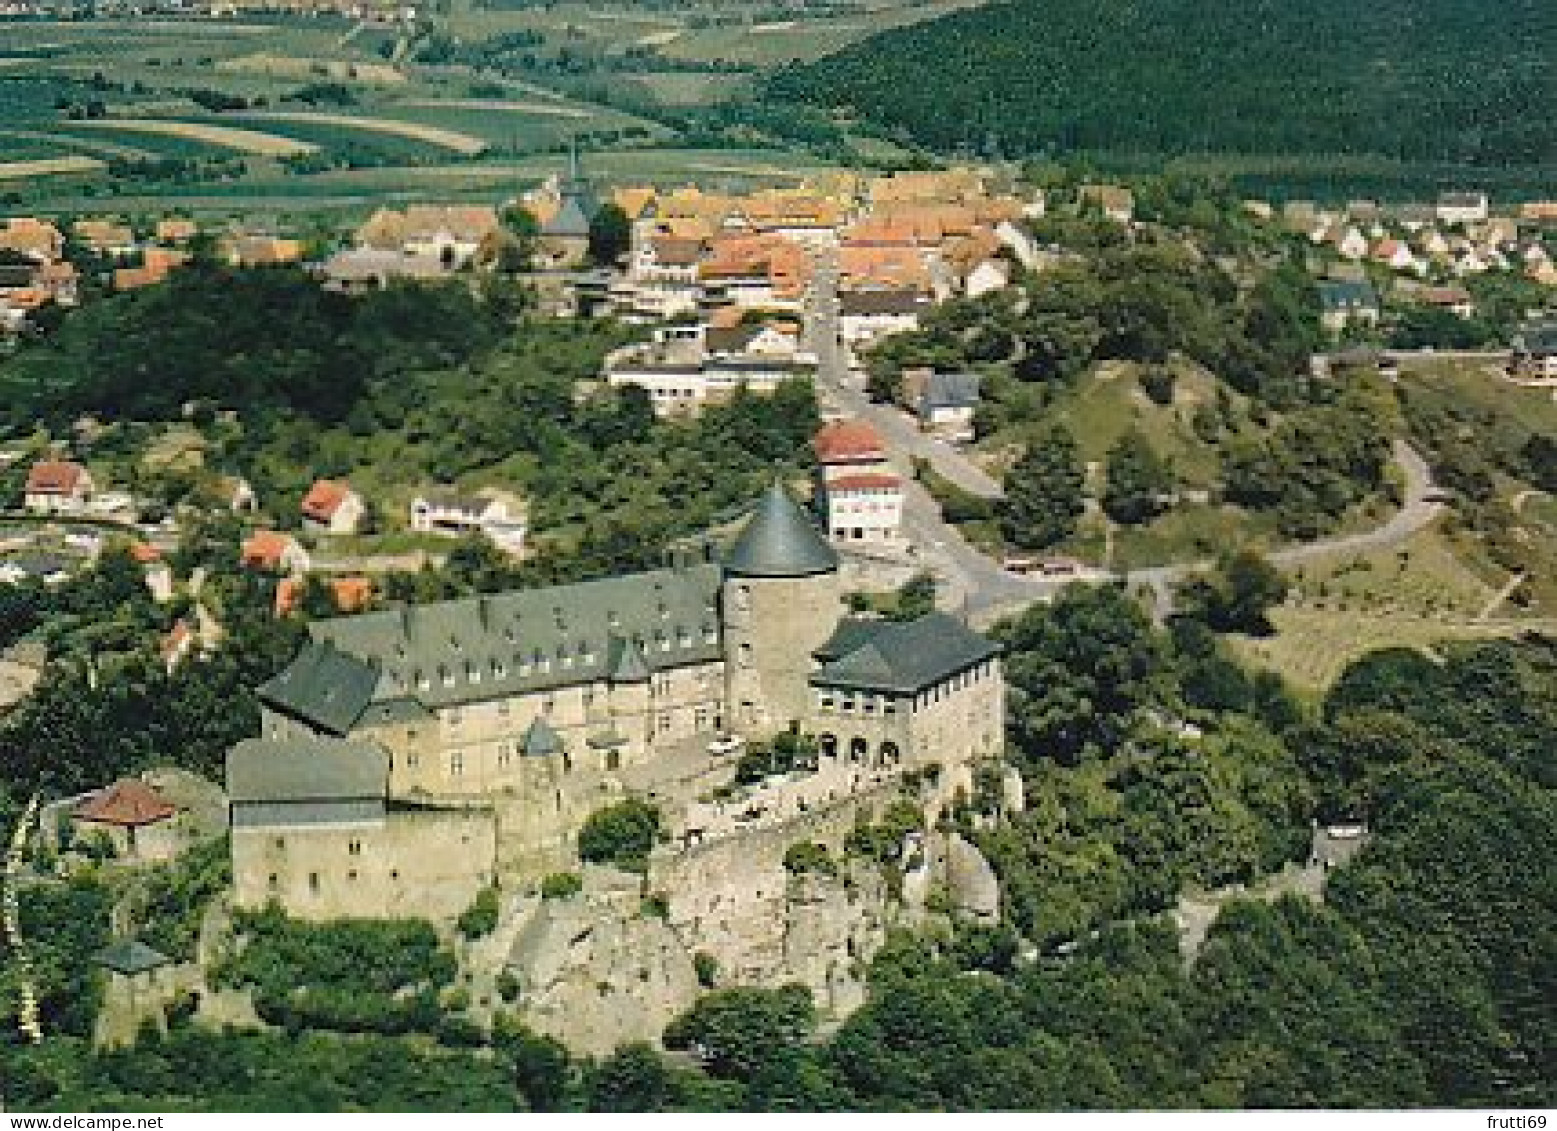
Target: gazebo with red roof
pixel 125 811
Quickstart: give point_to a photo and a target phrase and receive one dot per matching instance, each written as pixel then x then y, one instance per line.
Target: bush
pixel 706 966
pixel 620 834
pixel 561 885
pixel 480 918
pixel 1157 384
pixel 808 856
pixel 508 986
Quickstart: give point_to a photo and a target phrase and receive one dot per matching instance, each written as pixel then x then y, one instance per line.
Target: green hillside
pixel 1421 80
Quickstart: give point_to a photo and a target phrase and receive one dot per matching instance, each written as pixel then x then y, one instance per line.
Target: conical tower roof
pixel 780 541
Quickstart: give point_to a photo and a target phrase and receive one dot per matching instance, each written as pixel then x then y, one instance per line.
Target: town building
pixel 58 487
pixel 448 513
pixel 332 507
pixel 274 552
pixel 859 492
pixel 1345 302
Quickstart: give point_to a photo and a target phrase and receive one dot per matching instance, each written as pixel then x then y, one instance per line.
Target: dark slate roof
pixel 627 662
pixel 865 303
pixel 306 770
pixel 1539 340
pixel 411 660
pixel 950 390
pixel 130 956
pixel 901 657
pixel 851 633
pixel 571 220
pixel 540 740
pixel 780 541
pixel 1346 294
pixel 323 685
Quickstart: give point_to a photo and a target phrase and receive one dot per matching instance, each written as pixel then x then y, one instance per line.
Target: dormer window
pixel 422 682
pixel 683 638
pixel 613 620
pixel 445 676
pixel 473 673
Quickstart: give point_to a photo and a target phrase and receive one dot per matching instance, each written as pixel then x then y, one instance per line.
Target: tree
pixel 610 235
pixel 620 834
pixel 916 598
pixel 1238 596
pixel 1044 492
pixel 1137 480
pixel 736 1032
pixel 522 231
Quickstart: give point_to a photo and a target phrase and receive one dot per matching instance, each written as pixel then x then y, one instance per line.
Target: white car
pixel 726 744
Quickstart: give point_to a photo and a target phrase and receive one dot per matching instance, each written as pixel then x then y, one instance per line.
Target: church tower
pixel 782 600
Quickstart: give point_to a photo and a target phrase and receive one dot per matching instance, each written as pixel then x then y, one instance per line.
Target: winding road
pixel 987 589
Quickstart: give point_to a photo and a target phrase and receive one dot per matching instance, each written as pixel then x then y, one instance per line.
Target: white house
pixel 1462 207
pixel 865 316
pixel 332 507
pixel 58 487
pixel 860 494
pixel 446 513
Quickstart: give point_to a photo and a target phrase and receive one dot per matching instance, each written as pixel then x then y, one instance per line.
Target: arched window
pixel 890 754
pixel 858 749
pixel 829 744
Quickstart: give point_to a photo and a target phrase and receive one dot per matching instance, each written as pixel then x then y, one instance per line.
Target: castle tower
pixel 782 600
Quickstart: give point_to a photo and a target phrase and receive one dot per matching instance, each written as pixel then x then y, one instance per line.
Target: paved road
pixel 984 587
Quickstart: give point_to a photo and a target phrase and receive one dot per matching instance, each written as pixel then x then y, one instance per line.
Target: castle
pixel 411 757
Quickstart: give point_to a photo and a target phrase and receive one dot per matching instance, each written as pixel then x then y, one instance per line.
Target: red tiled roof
pixel 129 802
pixel 351 594
pixel 843 441
pixel 54 477
pixel 145 554
pixel 863 482
pixel 324 498
pixel 265 547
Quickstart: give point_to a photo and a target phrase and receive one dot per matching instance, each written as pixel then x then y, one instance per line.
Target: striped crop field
pixel 228 137
pixel 48 166
pixel 461 143
pixel 499 105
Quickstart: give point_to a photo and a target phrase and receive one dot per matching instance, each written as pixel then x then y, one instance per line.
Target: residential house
pixel 176 230
pixel 944 402
pixel 1534 354
pixel 107 238
pixel 883 267
pixel 156 262
pixel 275 552
pixel 57 487
pixel 37 239
pixel 1462 207
pixel 349 594
pixel 1343 303
pixel 332 507
pixel 764 270
pixel 244 249
pixel 442 511
pixel 858 491
pixel 662 276
pixel 1538 211
pixel 357 271
pixel 37 565
pixel 1114 201
pixel 178 645
pixel 1456 300
pixel 865 317
pixel 1394 254
pixel 449 234
pixel 154 569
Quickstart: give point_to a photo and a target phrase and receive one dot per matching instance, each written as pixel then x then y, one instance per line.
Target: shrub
pixel 620 834
pixel 706 966
pixel 480 918
pixel 808 856
pixel 561 885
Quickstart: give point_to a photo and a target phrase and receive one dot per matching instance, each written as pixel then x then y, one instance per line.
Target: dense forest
pixel 1463 81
